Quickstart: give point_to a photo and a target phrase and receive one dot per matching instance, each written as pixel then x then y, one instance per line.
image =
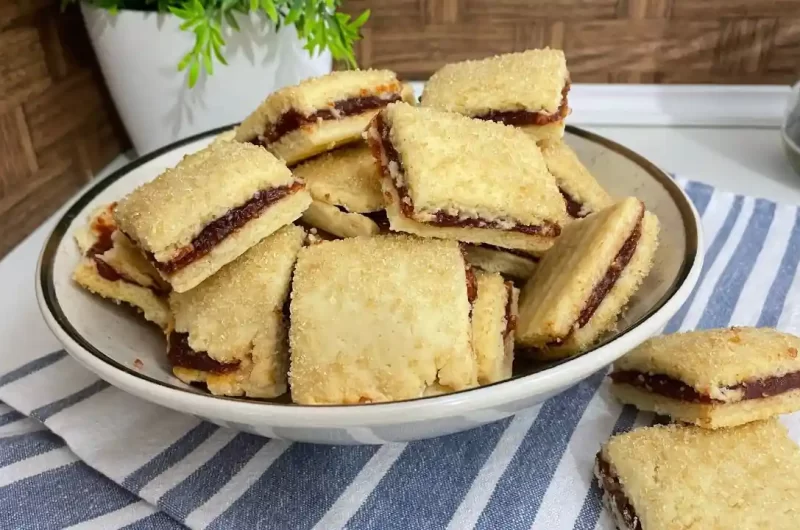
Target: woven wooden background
pixel 57 124
pixel 627 41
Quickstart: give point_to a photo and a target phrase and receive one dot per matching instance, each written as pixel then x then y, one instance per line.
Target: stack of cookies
pixel 346 245
pixel 727 462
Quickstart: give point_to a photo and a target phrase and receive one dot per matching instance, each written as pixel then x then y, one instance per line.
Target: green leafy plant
pixel 318 23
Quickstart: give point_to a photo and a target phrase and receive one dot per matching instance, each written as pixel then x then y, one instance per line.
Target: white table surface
pixel 741 160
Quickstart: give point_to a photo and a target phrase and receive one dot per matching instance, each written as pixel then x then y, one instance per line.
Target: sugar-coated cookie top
pixel 691 478
pixel 531 80
pixel 172 209
pixel 474 168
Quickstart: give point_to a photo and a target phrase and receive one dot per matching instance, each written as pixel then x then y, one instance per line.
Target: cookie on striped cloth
pixel 672 477
pixel 713 378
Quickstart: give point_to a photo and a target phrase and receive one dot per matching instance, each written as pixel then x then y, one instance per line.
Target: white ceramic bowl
pixel 119 347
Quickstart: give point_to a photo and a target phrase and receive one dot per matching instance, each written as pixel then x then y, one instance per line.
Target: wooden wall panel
pixel 485 11
pixel 57 123
pixel 734 8
pixel 785 54
pixel 58 126
pixel 615 41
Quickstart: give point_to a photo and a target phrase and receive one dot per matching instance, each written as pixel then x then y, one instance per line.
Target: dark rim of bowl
pixel 45 276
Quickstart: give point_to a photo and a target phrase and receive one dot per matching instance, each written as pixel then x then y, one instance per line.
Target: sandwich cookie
pixel 346 190
pixel 714 378
pixel 581 191
pixel 209 209
pixel 230 331
pixel 583 283
pixel 451 177
pixel 514 264
pixel 380 318
pixel 526 89
pixel 671 477
pixel 112 267
pixel 300 121
pixel 494 319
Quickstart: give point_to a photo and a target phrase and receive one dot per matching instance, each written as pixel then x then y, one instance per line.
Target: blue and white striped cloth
pixel 94 457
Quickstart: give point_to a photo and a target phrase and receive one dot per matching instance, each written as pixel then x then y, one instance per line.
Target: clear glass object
pixel 790 132
pixel 792 126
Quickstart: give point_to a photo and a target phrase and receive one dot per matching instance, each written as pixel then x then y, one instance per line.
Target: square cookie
pixel 112 267
pixel 451 177
pixel 713 378
pixel 517 265
pixel 676 477
pixel 209 209
pixel 583 283
pixel 582 193
pixel 321 113
pixel 380 319
pixel 524 89
pixel 346 188
pixel 229 331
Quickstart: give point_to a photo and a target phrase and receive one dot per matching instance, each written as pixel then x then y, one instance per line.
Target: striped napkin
pixel 94 457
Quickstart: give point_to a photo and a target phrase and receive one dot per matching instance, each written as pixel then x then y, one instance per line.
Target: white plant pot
pixel 139 52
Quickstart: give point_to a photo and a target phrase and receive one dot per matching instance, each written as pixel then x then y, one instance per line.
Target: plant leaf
pixel 292 16
pixel 216 37
pixel 361 20
pixel 269 8
pixel 208 63
pixel 181 13
pixel 232 20
pixel 218 54
pixel 203 36
pixel 189 24
pixel 185 61
pixel 194 73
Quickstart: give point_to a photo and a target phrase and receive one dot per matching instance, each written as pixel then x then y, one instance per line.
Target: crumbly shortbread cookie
pixel 346 177
pixel 447 176
pixel 584 282
pixel 227 136
pixel 380 319
pixel 344 183
pixel 714 378
pixel 112 267
pixel 261 374
pixel 232 323
pixel 321 113
pixel 209 209
pixel 519 266
pixel 543 133
pixel 339 223
pixel 582 193
pixel 525 89
pixel 494 318
pixel 676 477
